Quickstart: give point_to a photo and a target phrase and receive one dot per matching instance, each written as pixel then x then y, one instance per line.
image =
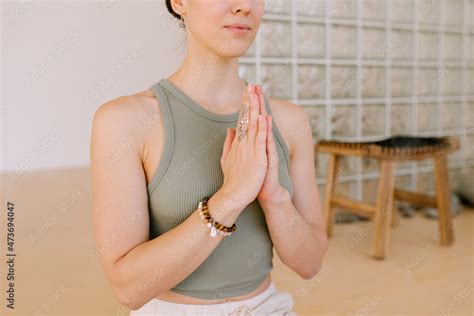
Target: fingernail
pixel 260 117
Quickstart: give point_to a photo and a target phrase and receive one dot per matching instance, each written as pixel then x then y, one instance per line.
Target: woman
pixel 193 182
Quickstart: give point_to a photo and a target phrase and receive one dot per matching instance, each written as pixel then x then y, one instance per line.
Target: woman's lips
pixel 237 30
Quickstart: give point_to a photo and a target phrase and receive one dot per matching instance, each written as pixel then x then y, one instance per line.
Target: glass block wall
pixel 367 69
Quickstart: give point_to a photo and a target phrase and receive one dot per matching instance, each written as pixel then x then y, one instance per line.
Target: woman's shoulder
pixel 136 104
pixel 128 117
pixel 292 119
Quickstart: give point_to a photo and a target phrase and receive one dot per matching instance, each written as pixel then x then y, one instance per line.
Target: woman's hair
pixel 170 9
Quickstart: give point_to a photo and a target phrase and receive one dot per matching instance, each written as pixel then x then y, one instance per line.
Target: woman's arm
pixel 139 268
pixel 296 226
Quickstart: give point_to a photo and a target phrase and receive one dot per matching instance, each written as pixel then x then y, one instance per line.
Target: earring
pixel 181 23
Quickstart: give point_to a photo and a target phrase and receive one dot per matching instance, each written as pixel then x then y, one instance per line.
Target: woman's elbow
pixel 135 295
pixel 132 301
pixel 317 265
pixel 125 291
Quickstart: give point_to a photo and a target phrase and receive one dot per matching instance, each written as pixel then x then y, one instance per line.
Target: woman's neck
pixel 211 81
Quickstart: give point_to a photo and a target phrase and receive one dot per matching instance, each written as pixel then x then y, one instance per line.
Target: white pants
pixel 269 302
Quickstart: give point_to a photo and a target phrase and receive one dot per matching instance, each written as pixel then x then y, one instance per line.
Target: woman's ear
pixel 179 6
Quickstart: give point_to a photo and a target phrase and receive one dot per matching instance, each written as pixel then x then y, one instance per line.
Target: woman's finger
pixel 271 145
pixel 244 107
pixel 229 141
pixel 227 144
pixel 261 138
pixel 232 132
pixel 263 109
pixel 254 112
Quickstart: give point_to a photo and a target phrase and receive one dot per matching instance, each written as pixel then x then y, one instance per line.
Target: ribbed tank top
pixel 189 170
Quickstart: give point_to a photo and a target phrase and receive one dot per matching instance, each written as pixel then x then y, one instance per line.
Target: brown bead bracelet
pixel 216 227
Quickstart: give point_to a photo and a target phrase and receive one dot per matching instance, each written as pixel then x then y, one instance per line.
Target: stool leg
pixel 385 204
pixel 443 196
pixel 331 181
pixel 395 215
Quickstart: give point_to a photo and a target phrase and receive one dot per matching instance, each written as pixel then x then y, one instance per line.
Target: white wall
pixel 62 60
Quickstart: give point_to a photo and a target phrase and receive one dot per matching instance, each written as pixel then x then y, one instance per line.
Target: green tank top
pixel 189 170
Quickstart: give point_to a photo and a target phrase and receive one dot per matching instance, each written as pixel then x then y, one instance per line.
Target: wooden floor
pixel 57 272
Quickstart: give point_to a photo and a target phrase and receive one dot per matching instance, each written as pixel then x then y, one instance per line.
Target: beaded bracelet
pixel 216 227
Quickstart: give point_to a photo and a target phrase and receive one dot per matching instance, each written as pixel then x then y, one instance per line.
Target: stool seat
pixel 398 147
pixel 388 151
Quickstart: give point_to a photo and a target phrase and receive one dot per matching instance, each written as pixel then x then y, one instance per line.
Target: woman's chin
pixel 236 51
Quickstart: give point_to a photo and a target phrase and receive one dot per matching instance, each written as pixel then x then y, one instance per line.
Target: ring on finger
pixel 243 122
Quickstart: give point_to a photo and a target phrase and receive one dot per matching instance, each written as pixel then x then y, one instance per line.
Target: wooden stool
pixel 389 151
